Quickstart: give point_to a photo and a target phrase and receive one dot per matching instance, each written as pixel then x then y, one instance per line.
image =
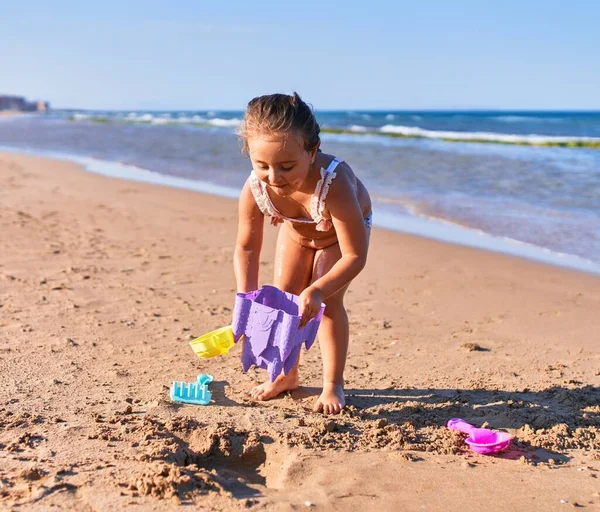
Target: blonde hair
pixel 280 113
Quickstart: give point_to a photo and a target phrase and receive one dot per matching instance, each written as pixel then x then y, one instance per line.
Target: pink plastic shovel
pixel 481 440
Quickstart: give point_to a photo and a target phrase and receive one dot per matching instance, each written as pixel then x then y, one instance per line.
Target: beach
pixel 103 282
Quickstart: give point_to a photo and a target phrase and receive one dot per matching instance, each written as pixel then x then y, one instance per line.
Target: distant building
pixel 20 104
pixel 42 106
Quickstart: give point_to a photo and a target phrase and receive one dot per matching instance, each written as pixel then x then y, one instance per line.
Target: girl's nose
pixel 274 177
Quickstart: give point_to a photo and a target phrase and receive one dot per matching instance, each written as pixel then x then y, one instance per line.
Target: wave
pixel 413 132
pixel 159 119
pixel 389 130
pixel 507 138
pixel 224 122
pixel 527 119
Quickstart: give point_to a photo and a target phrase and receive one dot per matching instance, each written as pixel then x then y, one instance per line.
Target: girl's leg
pixel 293 269
pixel 333 337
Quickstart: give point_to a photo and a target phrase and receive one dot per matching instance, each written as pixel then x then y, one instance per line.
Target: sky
pixel 199 54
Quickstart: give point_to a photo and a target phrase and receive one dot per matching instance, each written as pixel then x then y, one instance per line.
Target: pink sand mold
pixel 269 321
pixel 481 440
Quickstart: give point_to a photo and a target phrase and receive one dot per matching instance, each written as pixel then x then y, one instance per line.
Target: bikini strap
pixel 317 202
pixel 262 199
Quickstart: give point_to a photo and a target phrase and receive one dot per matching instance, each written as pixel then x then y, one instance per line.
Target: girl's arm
pixel 246 257
pixel 347 218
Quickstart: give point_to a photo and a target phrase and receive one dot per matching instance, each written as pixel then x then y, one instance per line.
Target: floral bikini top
pixel 317 201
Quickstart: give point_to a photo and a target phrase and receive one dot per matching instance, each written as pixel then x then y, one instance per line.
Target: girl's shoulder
pixel 340 173
pixel 339 187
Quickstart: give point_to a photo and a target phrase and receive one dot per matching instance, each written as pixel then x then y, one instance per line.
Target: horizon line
pixel 354 109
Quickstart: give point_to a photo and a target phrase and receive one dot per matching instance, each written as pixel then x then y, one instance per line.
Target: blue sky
pixel 337 55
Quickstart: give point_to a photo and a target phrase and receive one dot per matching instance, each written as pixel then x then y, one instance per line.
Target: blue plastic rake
pixel 196 393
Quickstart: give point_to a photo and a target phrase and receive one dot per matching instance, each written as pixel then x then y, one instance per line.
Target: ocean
pixel 523 183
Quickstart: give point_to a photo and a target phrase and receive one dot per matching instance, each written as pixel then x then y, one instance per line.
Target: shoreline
pixel 435 228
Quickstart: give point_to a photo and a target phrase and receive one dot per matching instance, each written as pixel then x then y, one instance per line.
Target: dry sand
pixel 103 282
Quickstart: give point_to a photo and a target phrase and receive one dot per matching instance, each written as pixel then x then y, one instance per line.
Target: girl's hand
pixel 309 304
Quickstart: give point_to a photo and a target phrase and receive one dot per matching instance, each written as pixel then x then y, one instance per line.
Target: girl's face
pixel 281 162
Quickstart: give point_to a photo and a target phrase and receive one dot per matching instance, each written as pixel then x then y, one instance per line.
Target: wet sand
pixel 103 282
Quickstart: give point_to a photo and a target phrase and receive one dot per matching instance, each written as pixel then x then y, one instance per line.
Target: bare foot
pixel 332 399
pixel 268 390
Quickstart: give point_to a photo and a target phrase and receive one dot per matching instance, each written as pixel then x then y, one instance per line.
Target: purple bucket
pixel 269 320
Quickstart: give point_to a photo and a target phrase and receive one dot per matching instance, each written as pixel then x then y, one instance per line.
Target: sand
pixel 103 282
pixel 12 113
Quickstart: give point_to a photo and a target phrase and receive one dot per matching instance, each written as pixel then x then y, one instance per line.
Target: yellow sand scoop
pixel 215 343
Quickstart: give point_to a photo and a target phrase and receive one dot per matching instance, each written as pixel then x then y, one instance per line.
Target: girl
pixel 325 212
